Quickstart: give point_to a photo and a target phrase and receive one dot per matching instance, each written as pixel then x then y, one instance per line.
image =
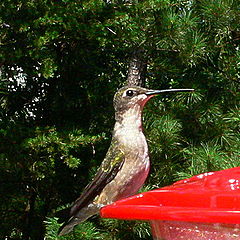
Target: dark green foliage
pixel 119 229
pixel 60 64
pixel 87 230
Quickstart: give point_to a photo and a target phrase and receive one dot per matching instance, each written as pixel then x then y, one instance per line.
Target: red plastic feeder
pixel 204 207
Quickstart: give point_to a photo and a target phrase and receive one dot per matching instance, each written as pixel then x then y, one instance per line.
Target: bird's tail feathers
pixel 79 217
pixel 68 226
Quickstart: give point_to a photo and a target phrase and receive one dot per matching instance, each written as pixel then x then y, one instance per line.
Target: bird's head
pixel 130 97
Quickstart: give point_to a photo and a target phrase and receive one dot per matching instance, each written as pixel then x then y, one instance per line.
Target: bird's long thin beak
pixel 154 92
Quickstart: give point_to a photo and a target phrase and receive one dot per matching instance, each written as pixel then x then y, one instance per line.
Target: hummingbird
pixel 126 165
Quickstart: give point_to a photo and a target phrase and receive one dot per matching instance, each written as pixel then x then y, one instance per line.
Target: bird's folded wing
pixel 106 173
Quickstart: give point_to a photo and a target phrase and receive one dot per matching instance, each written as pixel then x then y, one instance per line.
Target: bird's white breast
pixel 135 169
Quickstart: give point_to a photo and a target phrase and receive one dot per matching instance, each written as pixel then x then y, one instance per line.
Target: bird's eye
pixel 129 93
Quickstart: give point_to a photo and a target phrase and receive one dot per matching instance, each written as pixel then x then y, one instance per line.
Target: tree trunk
pixel 137 69
pixel 29 215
